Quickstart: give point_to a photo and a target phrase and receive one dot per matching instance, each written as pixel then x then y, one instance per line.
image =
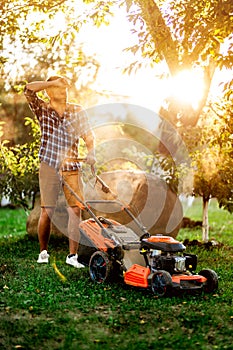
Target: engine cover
pixel 164 243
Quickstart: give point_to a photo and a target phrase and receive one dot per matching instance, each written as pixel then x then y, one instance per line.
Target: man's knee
pixel 46 213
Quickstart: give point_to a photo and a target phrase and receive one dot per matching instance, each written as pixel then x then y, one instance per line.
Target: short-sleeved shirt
pixel 59 135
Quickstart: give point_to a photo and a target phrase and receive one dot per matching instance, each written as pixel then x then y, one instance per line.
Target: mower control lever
pixel 145 235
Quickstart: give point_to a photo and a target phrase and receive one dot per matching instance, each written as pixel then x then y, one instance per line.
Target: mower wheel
pixel 212 280
pixel 161 283
pixel 100 267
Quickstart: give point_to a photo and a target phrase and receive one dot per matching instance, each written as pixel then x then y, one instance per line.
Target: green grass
pixel 220 222
pixel 12 223
pixel 39 311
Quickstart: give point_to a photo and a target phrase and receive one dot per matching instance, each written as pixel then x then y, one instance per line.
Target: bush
pixel 19 168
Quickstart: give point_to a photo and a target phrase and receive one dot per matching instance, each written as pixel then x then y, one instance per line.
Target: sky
pixel 144 87
pixel 107 43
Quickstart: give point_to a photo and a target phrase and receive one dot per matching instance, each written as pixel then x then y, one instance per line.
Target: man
pixel 61 124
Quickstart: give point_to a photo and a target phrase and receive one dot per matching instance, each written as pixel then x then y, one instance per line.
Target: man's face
pixel 59 89
pixel 57 93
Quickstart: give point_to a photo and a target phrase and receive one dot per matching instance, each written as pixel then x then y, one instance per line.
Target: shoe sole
pixel 43 261
pixel 77 267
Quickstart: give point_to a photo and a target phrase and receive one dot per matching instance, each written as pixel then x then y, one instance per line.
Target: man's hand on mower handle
pixel 93 170
pixel 91 160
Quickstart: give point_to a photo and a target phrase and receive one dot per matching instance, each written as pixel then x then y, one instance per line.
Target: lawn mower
pixel 155 262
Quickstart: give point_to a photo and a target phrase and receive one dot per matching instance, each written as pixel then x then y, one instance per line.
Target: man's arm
pixel 90 144
pixel 35 103
pixel 37 86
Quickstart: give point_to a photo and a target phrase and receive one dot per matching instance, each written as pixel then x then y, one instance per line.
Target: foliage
pixel 45 48
pixel 184 33
pixel 212 159
pixel 19 169
pixel 190 35
pixel 37 307
pixel 187 35
pixel 224 140
pixel 210 146
pixel 13 14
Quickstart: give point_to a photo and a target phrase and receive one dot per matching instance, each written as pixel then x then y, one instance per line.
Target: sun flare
pixel 188 86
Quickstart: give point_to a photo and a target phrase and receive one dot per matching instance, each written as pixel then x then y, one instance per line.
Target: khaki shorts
pixel 51 185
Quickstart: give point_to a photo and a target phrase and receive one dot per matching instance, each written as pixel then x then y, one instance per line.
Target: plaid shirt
pixel 59 136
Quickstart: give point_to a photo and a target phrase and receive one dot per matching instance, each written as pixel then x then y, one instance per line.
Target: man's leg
pixel 73 228
pixel 44 227
pixel 74 181
pixel 49 190
pixel 74 237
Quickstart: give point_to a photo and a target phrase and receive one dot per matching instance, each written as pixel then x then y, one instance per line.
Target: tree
pixel 224 139
pixel 14 13
pixel 183 33
pixel 28 32
pixel 213 161
pixel 188 35
pixel 19 169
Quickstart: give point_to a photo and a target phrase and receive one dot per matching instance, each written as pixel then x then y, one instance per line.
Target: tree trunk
pixel 205 221
pixel 161 34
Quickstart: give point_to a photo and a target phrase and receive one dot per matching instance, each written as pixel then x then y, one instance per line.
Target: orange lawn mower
pixel 156 262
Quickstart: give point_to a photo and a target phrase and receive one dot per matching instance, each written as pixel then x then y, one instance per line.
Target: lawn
pixel 41 310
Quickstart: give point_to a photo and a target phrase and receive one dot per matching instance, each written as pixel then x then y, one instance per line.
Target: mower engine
pixel 168 268
pixel 165 253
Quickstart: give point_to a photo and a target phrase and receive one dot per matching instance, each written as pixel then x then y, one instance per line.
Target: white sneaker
pixel 73 260
pixel 43 257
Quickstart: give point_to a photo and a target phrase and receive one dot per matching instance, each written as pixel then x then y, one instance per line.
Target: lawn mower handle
pixel 83 160
pixel 106 189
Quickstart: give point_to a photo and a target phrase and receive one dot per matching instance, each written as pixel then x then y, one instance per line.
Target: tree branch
pixel 160 33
